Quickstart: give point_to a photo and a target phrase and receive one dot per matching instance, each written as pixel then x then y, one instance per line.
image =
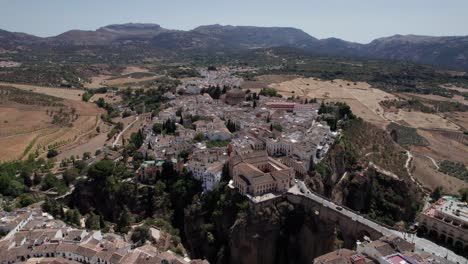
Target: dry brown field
pixel 133 69
pixel 427 174
pixel 443 146
pixel 460 118
pixel 108 97
pixel 65 93
pixel 123 81
pixel 362 98
pixel 263 81
pixel 455 88
pixel 88 143
pixel 422 120
pixel 454 99
pixel 28 129
pixel 97 81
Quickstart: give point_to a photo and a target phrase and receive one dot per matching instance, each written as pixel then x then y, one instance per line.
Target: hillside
pixel 443 52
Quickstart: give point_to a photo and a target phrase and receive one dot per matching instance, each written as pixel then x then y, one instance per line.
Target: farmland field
pixel 70 94
pixel 39 122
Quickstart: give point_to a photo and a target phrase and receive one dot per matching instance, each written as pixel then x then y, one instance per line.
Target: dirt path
pixel 408 169
pixel 434 162
pixel 121 133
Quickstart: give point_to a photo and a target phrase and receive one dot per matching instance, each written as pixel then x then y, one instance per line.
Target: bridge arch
pixel 443 237
pixel 362 234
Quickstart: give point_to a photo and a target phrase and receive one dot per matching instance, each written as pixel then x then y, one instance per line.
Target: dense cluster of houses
pixel 36 237
pixel 212 134
pixel 386 250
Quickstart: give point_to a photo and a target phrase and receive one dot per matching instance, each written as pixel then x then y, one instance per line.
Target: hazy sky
pixel 353 20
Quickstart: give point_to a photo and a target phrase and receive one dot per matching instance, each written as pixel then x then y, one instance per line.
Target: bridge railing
pixel 347 208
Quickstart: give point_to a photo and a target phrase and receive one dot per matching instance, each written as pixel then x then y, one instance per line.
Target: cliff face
pixel 382 197
pixel 280 233
pixel 350 178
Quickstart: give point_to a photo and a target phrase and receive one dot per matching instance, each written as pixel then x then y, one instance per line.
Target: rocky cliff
pixel 224 228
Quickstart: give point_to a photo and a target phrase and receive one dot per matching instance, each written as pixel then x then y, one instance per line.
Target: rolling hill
pixel 443 52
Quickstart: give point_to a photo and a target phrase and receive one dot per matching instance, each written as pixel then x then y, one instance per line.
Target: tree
pixel 137 138
pixel 73 217
pixel 217 93
pixel 119 126
pixel 48 182
pixel 141 234
pixel 157 128
pixel 37 179
pixel 93 222
pixel 100 102
pixel 463 194
pixel 123 223
pixel 437 193
pixel 199 137
pixel 26 199
pixel 69 176
pixel 52 153
pixel 26 176
pixel 101 170
pixel 86 155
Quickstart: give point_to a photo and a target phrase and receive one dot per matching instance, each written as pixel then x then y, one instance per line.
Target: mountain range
pixel 443 52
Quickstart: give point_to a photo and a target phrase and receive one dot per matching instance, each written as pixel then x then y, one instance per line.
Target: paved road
pixel 123 131
pixel 421 244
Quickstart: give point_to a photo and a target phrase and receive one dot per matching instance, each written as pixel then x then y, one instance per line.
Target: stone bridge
pixel 352 225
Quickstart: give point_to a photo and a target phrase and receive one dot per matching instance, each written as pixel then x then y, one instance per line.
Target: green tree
pixel 49 182
pixel 141 234
pixel 26 199
pixel 73 217
pixel 123 223
pixel 37 179
pixel 157 128
pixel 101 170
pixel 69 176
pixel 437 193
pixel 26 177
pixel 463 194
pixel 52 153
pixel 137 138
pixel 93 222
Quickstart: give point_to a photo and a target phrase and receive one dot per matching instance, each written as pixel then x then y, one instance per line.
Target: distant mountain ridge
pixel 445 52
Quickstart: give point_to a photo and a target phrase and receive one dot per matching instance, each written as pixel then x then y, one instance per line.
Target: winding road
pixel 123 131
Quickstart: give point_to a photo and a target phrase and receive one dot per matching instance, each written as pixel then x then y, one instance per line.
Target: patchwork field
pixel 129 75
pixel 39 122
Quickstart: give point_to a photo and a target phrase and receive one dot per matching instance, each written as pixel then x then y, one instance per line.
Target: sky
pixel 353 20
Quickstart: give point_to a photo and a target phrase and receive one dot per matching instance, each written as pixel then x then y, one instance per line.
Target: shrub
pixel 52 153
